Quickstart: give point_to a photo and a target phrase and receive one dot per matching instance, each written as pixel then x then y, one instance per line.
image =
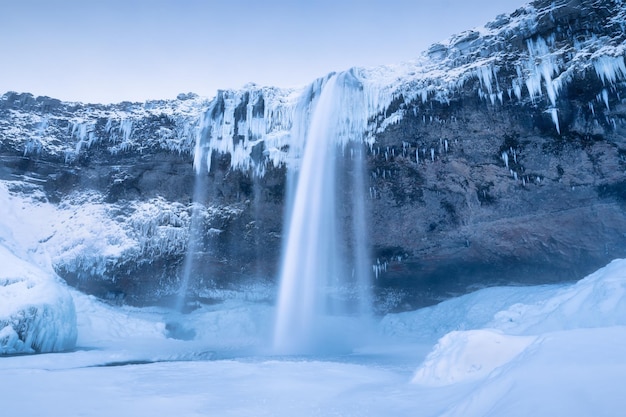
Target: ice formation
pixel 37 313
pixel 115 127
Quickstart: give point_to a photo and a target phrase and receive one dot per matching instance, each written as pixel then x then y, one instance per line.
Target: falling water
pixel 202 159
pixel 361 258
pixel 313 257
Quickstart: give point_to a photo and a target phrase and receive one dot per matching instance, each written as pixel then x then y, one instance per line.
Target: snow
pixel 36 310
pixel 67 131
pixel 86 235
pixel 469 355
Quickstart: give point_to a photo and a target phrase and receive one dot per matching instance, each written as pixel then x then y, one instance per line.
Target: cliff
pixel 496 157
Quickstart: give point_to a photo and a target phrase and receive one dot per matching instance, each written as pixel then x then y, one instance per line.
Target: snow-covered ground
pixel 508 351
pixel 546 351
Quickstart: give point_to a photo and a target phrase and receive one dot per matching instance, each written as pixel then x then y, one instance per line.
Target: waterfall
pixel 194 245
pixel 314 256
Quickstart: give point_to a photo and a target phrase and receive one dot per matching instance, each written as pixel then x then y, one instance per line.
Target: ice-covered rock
pixel 36 312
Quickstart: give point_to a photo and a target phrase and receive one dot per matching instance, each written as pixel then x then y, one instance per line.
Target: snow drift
pixel 597 302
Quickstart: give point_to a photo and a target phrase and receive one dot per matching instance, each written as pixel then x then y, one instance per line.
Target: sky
pixel 104 51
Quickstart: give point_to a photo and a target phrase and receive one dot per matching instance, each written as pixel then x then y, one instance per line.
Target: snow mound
pixel 576 372
pixel 468 312
pixel 599 300
pixel 101 325
pixel 469 355
pixel 37 313
pixel 595 302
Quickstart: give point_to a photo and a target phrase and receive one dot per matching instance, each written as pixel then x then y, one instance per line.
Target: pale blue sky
pixel 114 50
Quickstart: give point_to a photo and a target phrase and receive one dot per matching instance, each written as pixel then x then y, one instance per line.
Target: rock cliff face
pixel 498 157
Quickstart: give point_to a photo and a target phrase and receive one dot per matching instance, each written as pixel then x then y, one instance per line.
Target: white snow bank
pixel 481 372
pixel 569 373
pixel 597 301
pixel 226 326
pixel 469 355
pixel 467 312
pixel 37 313
pixel 101 325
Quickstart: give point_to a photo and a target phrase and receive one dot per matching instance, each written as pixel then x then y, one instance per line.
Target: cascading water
pixel 201 158
pixel 314 256
pixel 361 258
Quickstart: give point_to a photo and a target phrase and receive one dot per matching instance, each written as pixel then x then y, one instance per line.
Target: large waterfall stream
pixel 316 263
pixel 325 270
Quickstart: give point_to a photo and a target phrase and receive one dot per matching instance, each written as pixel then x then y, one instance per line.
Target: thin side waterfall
pixel 201 159
pixel 360 249
pixel 314 256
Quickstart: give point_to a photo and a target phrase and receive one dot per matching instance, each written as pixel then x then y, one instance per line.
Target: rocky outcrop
pixel 498 157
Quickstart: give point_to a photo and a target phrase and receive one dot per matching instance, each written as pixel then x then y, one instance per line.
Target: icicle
pixel 605 98
pixel 610 69
pixel 505 158
pixel 555 118
pixel 445 145
pixel 417 156
pixel 432 154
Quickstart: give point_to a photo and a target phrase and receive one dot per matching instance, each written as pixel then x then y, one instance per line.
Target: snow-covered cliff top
pixel 527 57
pixel 530 56
pixel 62 129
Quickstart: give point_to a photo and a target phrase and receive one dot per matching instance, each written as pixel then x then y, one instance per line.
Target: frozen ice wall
pixel 36 311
